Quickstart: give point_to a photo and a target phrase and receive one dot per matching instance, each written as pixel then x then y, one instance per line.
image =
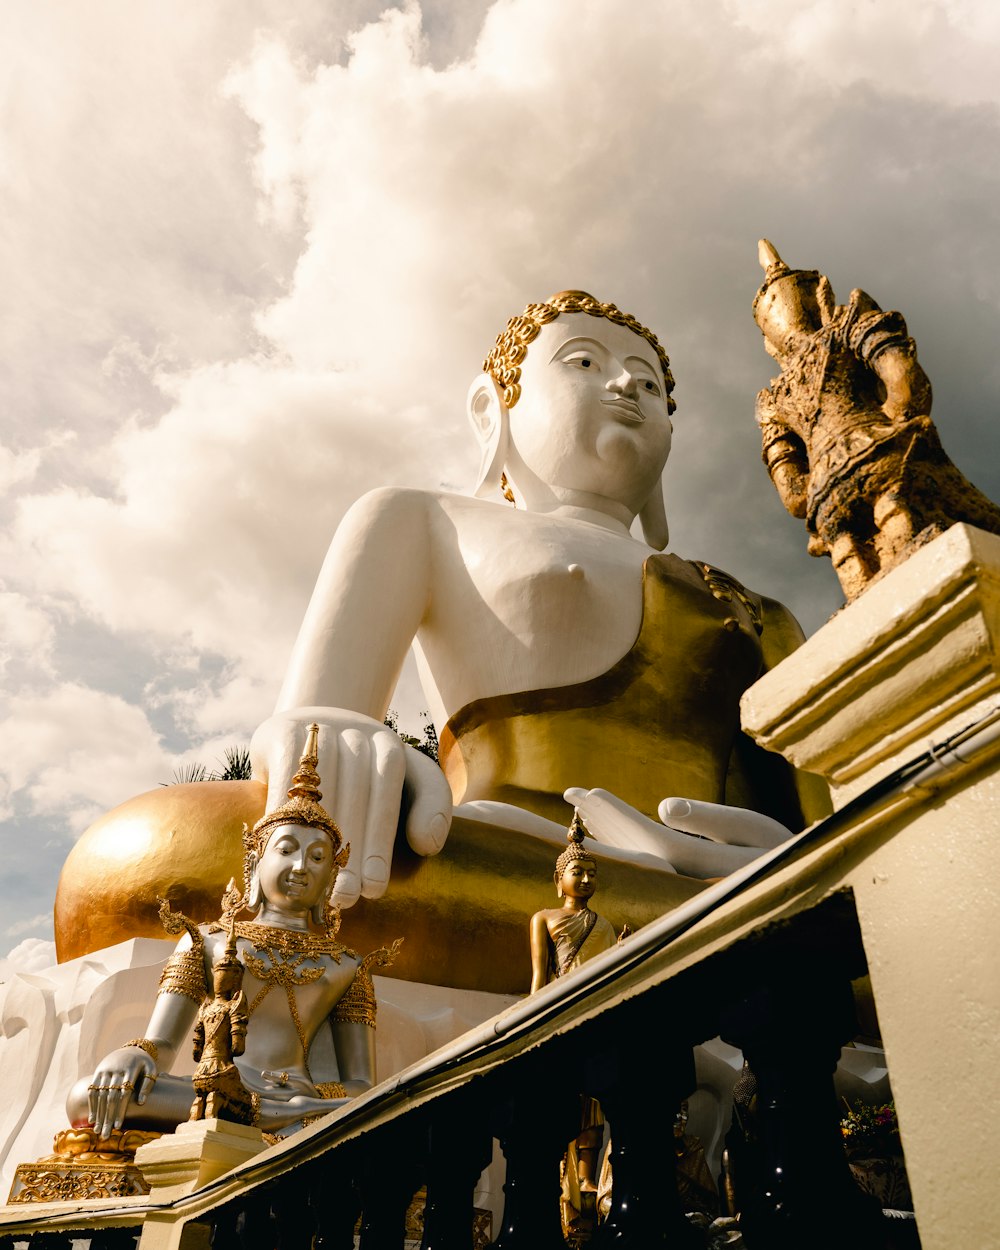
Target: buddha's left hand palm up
pixel 725 838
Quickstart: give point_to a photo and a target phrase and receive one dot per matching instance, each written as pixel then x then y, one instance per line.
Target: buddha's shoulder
pixel 405 508
pixel 779 628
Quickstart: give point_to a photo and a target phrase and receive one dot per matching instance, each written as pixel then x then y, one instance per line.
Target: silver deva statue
pixel 297 979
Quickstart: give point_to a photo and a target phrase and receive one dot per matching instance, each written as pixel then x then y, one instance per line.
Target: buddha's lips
pixel 628 408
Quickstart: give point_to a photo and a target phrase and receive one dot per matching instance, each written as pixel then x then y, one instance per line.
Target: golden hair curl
pixel 503 363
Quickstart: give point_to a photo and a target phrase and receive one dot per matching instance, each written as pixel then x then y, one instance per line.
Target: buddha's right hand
pixel 367 775
pixel 125 1073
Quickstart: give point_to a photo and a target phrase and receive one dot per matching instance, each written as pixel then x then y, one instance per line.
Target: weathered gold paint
pixel 180 842
pixel 662 721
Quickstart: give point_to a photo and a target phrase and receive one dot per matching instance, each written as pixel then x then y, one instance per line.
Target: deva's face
pixel 579 880
pixel 592 415
pixel 296 867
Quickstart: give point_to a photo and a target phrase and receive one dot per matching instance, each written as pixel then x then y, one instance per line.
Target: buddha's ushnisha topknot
pixel 575 835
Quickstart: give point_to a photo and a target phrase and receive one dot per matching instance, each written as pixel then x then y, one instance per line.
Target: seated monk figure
pixel 555 649
pixel 297 977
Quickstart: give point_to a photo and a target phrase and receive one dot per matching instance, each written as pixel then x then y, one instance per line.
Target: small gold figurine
pixel 220 1034
pixel 563 938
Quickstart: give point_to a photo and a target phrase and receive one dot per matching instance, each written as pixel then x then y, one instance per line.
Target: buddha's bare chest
pixel 546 579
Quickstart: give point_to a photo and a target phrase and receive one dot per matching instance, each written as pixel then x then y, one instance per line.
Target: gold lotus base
pixel 63 1181
pixel 83 1166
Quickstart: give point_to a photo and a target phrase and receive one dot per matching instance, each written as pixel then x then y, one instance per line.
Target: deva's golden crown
pixel 302 807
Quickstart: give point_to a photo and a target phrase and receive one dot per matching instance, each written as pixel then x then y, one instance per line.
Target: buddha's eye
pixel 581 360
pixel 650 386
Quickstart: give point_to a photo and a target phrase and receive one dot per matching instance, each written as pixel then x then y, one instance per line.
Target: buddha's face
pixel 579 879
pixel 296 867
pixel 592 415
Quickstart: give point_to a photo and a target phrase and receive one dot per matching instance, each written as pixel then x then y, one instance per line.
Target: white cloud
pixel 26 635
pixel 75 752
pixel 25 926
pixel 255 254
pixel 16 467
pixel 31 955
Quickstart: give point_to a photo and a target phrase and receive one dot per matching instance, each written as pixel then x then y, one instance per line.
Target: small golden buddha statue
pixel 563 938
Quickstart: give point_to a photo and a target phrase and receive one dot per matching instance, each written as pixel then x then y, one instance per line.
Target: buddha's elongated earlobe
pixel 255 895
pixel 487 414
pixel 653 516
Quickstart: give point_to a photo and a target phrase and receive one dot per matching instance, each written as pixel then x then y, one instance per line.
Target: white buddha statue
pixel 558 653
pixel 556 650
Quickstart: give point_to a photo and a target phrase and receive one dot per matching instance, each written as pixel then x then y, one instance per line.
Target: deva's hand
pixel 367 775
pixel 126 1073
pixel 696 839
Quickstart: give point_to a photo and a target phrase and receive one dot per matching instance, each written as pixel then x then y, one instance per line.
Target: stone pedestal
pixel 195 1154
pixel 913 660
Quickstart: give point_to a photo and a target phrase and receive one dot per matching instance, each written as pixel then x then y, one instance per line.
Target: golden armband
pixel 143 1043
pixel 358 1005
pixel 184 973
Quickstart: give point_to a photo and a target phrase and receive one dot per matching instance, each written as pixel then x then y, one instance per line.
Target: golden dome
pixel 180 842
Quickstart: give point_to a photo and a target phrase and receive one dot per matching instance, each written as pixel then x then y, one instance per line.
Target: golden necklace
pixel 287 950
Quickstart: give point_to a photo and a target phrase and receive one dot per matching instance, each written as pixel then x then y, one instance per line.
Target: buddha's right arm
pixel 369 599
pixel 366 607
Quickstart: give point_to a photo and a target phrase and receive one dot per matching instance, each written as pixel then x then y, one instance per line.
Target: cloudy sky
pixel 253 253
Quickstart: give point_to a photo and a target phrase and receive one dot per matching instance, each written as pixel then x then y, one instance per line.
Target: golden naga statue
pixel 265 1056
pixel 560 655
pixel 846 429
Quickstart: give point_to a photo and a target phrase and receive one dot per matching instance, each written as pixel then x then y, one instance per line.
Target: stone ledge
pixel 197 1153
pixel 915 656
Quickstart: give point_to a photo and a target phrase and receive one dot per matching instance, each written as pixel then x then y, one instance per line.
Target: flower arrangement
pixel 870 1129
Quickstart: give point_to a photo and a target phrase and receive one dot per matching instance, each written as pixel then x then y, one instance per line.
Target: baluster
pixel 790 1175
pixel 255 1225
pixel 459 1147
pixel 292 1217
pixel 391 1171
pixel 641 1084
pixel 335 1200
pixel 534 1127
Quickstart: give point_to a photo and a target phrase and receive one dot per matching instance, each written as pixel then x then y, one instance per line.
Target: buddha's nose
pixel 623 383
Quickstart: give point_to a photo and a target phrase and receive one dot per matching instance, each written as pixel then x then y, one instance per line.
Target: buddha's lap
pixel 464 913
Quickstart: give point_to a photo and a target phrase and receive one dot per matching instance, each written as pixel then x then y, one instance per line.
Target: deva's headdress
pixel 575 835
pixel 302 807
